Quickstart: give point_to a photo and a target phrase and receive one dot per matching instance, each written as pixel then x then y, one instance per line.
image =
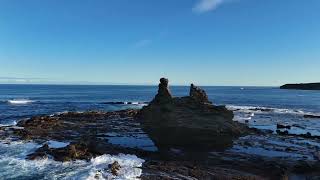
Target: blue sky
pixel 208 42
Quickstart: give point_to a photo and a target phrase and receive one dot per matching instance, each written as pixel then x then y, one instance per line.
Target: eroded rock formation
pixel 164 94
pixel 198 94
pixel 188 122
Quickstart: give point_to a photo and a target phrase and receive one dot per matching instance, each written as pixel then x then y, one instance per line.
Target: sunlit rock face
pixel 188 122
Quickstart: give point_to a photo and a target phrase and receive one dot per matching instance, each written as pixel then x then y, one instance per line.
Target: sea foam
pixel 261 109
pixel 14 165
pixel 20 101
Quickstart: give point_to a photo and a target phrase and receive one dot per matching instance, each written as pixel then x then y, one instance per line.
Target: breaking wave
pixel 14 165
pixel 20 101
pixel 12 123
pixel 126 103
pixel 261 109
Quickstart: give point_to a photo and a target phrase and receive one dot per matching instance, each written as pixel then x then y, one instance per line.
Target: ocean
pixel 259 107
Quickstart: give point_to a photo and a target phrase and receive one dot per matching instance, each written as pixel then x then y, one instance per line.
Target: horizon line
pixel 126 84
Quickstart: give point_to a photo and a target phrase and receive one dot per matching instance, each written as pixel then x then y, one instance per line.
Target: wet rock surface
pixel 71 126
pixel 188 122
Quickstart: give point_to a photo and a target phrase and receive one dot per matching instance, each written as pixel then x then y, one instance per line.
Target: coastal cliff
pixel 302 86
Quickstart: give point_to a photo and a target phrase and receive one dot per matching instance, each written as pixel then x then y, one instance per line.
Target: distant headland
pixel 302 86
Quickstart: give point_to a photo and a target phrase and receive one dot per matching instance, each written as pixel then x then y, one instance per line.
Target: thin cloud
pixel 142 43
pixel 207 5
pixel 20 80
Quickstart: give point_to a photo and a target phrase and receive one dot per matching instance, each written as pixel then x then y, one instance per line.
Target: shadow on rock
pixel 190 122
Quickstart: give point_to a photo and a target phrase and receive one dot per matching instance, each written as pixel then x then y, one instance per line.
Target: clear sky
pixel 208 42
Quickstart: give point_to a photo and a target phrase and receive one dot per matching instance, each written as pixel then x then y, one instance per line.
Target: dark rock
pixel 115 167
pixel 305 86
pixel 198 94
pixel 188 122
pixel 68 153
pixel 68 126
pixel 41 153
pixel 282 132
pixel 114 103
pixel 307 135
pixel 261 109
pixel 311 116
pixel 306 167
pixel 23 133
pixel 280 126
pixel 191 170
pixel 164 94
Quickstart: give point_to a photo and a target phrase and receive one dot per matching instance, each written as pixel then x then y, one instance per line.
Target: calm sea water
pixel 260 107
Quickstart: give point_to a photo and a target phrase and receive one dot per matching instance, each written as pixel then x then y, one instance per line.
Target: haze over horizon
pixel 207 42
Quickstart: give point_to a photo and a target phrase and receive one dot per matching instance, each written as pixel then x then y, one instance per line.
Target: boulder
pixel 190 122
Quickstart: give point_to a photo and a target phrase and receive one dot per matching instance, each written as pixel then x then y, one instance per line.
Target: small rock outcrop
pixel 188 122
pixel 303 86
pixel 198 94
pixel 115 167
pixel 71 152
pixel 164 94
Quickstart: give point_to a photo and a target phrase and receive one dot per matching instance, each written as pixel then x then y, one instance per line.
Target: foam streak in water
pixel 257 109
pixel 14 165
pixel 20 101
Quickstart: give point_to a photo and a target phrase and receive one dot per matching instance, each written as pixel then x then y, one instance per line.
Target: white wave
pixel 125 103
pixel 132 103
pixel 20 101
pixel 57 144
pixel 13 123
pixel 261 109
pixel 129 167
pixel 14 165
pixel 241 118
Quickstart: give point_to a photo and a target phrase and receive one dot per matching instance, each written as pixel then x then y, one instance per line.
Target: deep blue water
pixel 49 99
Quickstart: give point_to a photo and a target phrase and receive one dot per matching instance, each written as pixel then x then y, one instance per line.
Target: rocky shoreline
pixel 193 139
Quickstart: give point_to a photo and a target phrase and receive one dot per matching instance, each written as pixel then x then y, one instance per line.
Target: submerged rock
pixel 281 126
pixel 311 116
pixel 188 122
